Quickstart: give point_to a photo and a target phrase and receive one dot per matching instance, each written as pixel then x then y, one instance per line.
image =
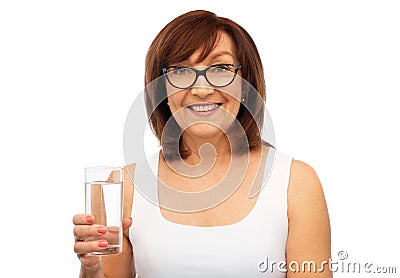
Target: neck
pixel 220 144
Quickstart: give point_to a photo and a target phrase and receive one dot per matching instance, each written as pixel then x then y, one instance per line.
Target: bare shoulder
pixel 129 171
pixel 304 186
pixel 309 225
pixel 130 167
pixel 301 172
pixel 306 200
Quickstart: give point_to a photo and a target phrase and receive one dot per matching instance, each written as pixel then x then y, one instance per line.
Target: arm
pixel 309 236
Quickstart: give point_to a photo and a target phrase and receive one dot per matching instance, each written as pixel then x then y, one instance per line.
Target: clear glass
pixel 104 200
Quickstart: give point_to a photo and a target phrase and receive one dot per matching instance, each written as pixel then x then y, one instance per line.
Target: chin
pixel 204 131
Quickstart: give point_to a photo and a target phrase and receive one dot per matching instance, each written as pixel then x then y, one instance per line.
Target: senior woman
pixel 198 73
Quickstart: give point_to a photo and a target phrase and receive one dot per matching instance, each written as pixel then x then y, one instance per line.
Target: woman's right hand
pixel 84 229
pixel 90 237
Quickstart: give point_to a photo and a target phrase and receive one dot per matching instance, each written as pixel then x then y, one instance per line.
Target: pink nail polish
pixel 101 230
pixel 103 243
pixel 89 219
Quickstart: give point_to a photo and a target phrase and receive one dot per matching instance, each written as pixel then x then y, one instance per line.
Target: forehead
pixel 224 50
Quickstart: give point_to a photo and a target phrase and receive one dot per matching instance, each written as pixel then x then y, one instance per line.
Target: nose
pixel 201 88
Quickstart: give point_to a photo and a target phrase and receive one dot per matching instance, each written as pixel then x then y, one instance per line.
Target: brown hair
pixel 177 41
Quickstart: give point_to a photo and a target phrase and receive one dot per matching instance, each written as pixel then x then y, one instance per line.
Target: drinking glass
pixel 104 200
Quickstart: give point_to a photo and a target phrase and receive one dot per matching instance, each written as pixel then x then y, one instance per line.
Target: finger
pixel 83 219
pixel 84 231
pixel 126 223
pixel 82 247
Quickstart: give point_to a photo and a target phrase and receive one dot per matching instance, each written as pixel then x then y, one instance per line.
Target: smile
pixel 204 108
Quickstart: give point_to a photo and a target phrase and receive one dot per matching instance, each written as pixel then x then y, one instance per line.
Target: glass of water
pixel 104 200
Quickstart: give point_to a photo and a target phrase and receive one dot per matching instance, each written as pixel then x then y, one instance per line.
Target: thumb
pixel 126 223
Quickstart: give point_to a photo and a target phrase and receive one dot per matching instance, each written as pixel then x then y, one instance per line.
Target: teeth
pixel 204 108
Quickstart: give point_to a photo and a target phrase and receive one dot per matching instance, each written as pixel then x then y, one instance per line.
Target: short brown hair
pixel 177 41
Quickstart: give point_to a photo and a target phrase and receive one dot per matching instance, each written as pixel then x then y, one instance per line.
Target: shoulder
pixel 302 172
pixel 309 225
pixel 304 186
pixel 306 199
pixel 129 171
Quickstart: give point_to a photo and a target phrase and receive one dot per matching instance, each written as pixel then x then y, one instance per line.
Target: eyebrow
pixel 215 55
pixel 221 53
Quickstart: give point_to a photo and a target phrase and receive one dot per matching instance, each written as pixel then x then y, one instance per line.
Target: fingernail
pixel 103 243
pixel 89 219
pixel 101 230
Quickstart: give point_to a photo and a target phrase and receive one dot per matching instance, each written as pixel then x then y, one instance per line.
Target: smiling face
pixel 203 108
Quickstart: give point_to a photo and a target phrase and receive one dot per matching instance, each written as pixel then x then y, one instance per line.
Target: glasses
pixel 183 77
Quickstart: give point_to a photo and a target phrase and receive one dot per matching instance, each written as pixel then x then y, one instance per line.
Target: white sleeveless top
pixel 248 248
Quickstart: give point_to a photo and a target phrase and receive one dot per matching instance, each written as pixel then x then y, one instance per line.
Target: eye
pixel 180 71
pixel 221 68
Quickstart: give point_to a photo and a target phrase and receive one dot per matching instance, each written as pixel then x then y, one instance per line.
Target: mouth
pixel 204 107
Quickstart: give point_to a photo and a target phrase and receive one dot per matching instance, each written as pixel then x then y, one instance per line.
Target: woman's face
pixel 203 110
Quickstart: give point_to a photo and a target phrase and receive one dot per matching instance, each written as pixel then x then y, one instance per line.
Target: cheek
pixel 171 96
pixel 233 104
pixel 234 90
pixel 236 107
pixel 175 100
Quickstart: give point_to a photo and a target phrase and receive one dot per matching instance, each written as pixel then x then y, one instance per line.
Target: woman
pixel 197 70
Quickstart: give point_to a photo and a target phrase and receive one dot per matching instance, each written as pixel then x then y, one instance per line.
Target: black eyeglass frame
pixel 201 73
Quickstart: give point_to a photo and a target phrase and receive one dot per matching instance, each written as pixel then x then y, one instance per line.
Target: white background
pixel 69 71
